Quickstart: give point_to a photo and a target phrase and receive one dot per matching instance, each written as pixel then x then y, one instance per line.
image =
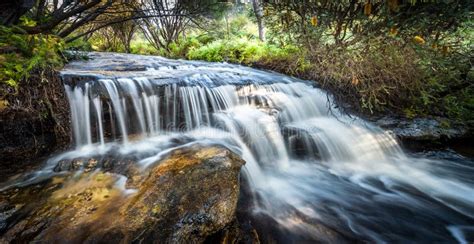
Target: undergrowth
pixel 242 50
pixel 387 78
pixel 22 54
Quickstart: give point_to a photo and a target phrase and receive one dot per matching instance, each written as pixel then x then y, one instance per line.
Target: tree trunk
pixel 258 10
pixel 11 10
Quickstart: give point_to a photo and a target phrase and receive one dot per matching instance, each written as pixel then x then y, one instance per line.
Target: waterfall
pixel 308 163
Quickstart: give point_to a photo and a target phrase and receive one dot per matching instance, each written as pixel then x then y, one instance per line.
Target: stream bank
pixel 34 122
pixel 417 134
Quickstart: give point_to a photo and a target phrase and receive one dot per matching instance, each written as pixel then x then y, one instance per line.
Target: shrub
pixel 385 77
pixel 79 45
pixel 180 48
pixel 21 54
pixel 142 47
pixel 242 51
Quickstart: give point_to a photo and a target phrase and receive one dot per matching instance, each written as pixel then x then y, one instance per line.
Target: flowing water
pixel 313 172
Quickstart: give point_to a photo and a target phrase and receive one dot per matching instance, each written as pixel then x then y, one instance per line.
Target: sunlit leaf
pixel 393 31
pixel 314 21
pixel 419 40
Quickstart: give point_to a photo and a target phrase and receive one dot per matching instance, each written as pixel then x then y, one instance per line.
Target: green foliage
pixel 22 53
pixel 386 77
pixel 231 26
pixel 224 39
pixel 183 46
pixel 79 45
pixel 349 22
pixel 25 21
pixel 242 50
pixel 409 57
pixel 142 47
pixel 445 66
pixel 104 40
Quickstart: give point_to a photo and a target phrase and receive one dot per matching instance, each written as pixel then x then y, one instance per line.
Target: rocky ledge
pixel 186 197
pixel 430 130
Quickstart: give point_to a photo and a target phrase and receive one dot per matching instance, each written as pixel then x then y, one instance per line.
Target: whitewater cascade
pixel 308 164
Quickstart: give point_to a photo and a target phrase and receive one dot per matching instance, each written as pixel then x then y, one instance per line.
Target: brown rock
pixel 186 197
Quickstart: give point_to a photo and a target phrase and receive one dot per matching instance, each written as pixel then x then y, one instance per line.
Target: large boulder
pixel 186 197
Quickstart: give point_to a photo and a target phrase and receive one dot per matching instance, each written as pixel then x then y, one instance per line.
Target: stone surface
pixel 423 129
pixel 186 197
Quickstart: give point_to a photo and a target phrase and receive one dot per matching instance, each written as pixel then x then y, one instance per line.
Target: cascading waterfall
pixel 308 164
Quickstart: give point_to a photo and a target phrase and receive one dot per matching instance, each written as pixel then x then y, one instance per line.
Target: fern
pixel 23 54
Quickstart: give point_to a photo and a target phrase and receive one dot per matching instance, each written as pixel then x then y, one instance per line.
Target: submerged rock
pixel 186 197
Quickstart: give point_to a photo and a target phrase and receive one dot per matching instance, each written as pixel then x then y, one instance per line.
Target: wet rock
pixel 423 129
pixel 90 165
pixel 108 163
pixel 69 165
pixel 6 212
pixel 301 144
pixel 235 233
pixel 186 197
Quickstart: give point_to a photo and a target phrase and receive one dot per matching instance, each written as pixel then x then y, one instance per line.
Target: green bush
pixel 79 45
pixel 142 47
pixel 242 51
pixel 21 54
pixel 386 77
pixel 180 48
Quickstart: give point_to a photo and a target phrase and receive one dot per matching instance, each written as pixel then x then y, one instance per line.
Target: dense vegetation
pixel 412 58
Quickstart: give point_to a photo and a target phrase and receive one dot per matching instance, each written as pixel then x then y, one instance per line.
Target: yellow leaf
pixel 393 31
pixel 354 81
pixel 314 21
pixel 3 104
pixel 419 40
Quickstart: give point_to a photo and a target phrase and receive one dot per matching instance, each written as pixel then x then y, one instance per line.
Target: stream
pixel 313 172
